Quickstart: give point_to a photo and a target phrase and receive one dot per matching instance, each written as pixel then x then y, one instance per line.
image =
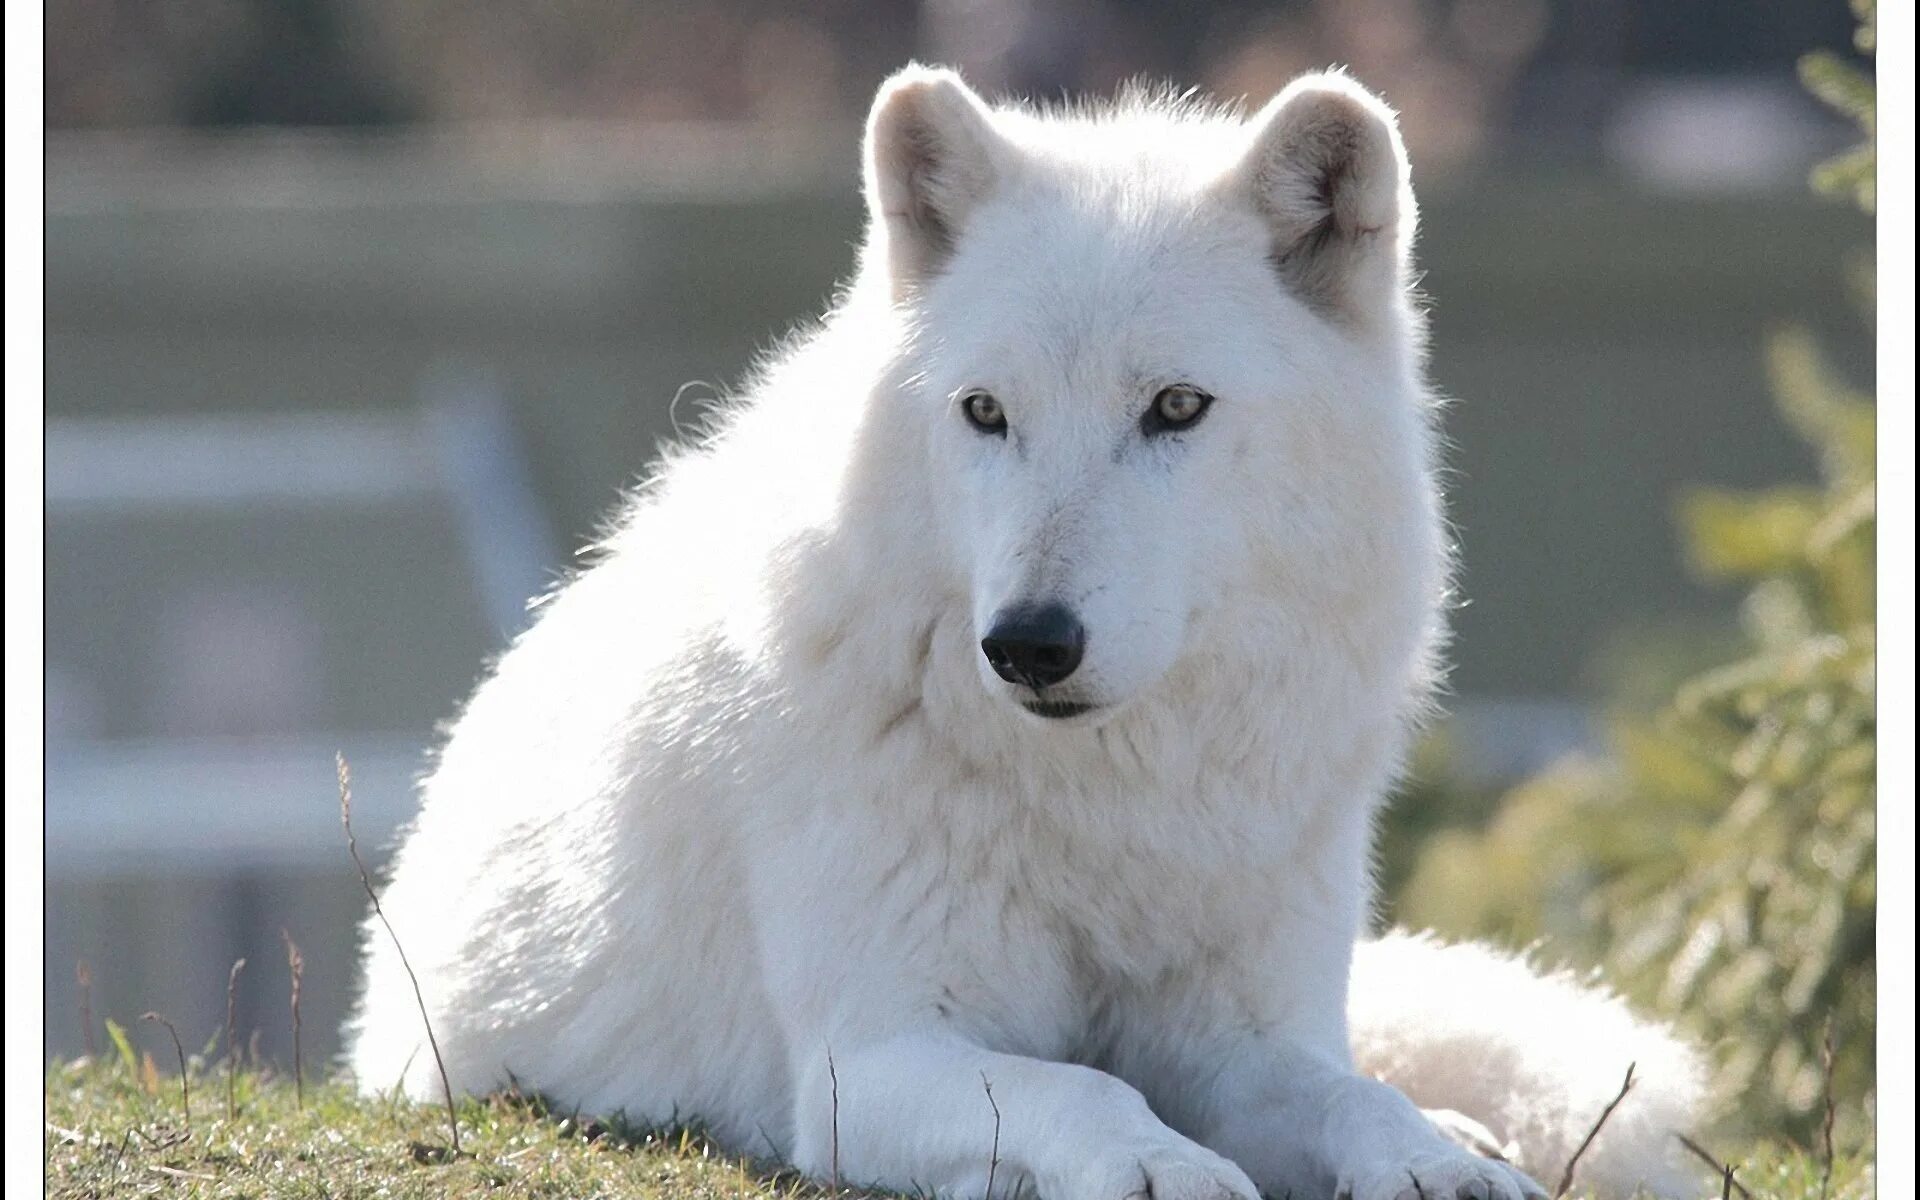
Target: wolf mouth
pixel 1056 710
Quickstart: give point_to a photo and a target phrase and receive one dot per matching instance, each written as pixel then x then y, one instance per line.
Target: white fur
pixel 745 822
pixel 1536 1056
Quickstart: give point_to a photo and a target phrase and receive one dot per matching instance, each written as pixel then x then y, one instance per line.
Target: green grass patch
pixel 111 1132
pixel 115 1129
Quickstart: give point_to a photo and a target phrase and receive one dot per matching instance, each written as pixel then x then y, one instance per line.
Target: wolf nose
pixel 1037 645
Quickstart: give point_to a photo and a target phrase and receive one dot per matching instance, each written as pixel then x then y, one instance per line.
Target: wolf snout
pixel 1037 645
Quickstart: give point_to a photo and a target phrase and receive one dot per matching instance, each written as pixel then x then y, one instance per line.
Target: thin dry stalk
pixel 296 966
pixel 993 1158
pixel 1726 1183
pixel 186 1107
pixel 1826 1121
pixel 1566 1177
pixel 366 881
pixel 173 1138
pixel 233 1047
pixel 83 974
pixel 833 1079
pixel 1717 1163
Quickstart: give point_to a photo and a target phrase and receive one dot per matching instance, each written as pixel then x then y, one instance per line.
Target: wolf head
pixel 1166 371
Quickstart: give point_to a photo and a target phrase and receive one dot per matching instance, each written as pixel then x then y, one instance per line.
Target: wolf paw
pixel 1446 1175
pixel 1179 1170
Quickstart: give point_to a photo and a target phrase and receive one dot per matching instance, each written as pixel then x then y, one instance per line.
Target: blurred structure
pixel 360 315
pixel 1651 83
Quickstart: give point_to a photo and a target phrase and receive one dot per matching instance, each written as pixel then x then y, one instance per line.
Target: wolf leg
pixel 924 1113
pixel 1301 1123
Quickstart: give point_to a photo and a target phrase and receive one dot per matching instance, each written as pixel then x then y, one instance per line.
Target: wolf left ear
pixel 932 155
pixel 1327 172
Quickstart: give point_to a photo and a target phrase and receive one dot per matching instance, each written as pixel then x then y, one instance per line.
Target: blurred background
pixel 360 315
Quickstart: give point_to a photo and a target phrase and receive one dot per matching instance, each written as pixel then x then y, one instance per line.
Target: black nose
pixel 1038 644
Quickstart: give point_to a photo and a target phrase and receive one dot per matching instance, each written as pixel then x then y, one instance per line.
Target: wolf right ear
pixel 1327 171
pixel 932 155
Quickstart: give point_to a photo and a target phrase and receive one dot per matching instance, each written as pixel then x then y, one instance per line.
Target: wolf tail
pixel 1534 1057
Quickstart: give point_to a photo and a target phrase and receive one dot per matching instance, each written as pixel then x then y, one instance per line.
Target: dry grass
pixel 114 1130
pixel 109 1135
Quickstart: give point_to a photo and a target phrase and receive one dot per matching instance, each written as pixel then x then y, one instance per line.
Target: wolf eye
pixel 1174 408
pixel 984 412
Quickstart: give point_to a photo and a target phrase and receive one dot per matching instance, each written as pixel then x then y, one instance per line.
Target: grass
pixel 113 1132
pixel 115 1129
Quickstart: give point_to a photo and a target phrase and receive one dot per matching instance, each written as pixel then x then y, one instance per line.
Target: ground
pixel 109 1134
pixel 115 1130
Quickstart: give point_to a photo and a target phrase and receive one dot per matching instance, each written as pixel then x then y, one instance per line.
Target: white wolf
pixel 1002 697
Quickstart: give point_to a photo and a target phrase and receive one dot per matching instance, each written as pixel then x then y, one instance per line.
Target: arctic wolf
pixel 977 738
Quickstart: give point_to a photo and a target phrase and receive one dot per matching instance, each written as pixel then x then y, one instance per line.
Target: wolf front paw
pixel 1177 1170
pixel 1448 1174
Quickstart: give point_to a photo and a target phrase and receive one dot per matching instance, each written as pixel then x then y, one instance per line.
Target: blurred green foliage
pixel 1718 859
pixel 1847 88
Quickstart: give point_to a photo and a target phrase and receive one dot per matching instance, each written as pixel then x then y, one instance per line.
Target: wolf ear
pixel 932 155
pixel 1327 172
